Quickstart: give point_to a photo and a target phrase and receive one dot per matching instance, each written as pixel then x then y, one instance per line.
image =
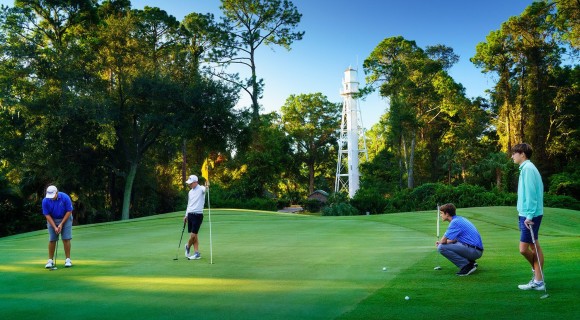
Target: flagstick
pixel 438 222
pixel 438 219
pixel 209 211
pixel 210 242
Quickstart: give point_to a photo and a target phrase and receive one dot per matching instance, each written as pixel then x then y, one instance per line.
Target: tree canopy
pixel 116 106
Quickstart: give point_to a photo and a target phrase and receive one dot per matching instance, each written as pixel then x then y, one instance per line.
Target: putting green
pixel 286 266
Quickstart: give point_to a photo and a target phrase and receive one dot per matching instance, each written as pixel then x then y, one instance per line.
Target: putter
pixel 539 264
pixel 179 245
pixel 437 267
pixel 55 255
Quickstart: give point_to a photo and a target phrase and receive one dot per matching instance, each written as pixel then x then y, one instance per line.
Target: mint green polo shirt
pixel 530 191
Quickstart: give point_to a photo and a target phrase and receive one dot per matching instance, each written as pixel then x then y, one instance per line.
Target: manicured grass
pixel 286 266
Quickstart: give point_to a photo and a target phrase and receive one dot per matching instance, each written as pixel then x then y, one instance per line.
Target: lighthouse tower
pixel 347 166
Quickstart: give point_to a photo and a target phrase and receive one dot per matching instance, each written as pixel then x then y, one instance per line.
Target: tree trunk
pixel 400 166
pixel 311 176
pixel 410 178
pixel 112 186
pixel 449 173
pixel 255 94
pixel 184 160
pixel 128 188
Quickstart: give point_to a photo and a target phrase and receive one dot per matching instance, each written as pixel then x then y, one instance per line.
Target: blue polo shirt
pixel 464 231
pixel 58 207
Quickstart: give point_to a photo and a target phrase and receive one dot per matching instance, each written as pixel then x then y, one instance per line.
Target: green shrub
pixel 312 205
pixel 370 201
pixel 427 196
pixel 340 209
pixel 557 201
pixel 260 204
pixel 222 198
pixel 467 195
pixel 283 203
pixel 566 183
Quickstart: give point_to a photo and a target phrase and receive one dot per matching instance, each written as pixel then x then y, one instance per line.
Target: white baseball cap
pixel 192 179
pixel 51 191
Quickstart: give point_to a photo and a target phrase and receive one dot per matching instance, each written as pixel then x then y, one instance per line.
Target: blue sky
pixel 341 33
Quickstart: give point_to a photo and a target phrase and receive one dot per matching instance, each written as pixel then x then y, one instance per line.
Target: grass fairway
pixel 286 266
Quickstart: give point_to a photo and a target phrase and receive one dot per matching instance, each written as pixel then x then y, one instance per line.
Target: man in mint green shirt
pixel 530 208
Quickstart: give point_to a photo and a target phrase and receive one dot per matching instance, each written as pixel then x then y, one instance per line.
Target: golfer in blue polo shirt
pixel 57 209
pixel 461 244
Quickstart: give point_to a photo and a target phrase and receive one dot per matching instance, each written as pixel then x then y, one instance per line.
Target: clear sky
pixel 342 33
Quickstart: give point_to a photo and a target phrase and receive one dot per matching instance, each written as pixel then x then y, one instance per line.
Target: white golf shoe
pixel 67 263
pixel 49 264
pixel 532 285
pixel 195 256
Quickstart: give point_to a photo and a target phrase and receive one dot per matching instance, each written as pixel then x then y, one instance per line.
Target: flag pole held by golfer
pixel 205 174
pixel 438 218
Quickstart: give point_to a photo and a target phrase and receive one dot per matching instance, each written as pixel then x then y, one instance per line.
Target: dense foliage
pixel 117 106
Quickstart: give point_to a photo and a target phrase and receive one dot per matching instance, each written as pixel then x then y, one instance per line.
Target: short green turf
pixel 286 266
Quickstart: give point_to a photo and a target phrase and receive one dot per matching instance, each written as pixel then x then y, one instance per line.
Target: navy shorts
pixel 194 221
pixel 525 235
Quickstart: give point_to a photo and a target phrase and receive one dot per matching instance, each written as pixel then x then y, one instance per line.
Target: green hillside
pixel 285 266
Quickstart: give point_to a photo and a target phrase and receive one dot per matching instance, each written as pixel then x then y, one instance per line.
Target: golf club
pixel 539 264
pixel 437 267
pixel 55 255
pixel 181 238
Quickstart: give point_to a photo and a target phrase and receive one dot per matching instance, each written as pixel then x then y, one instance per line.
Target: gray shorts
pixel 65 233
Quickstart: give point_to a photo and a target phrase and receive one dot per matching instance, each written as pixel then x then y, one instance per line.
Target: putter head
pixel 437 268
pixel 544 296
pixel 53 268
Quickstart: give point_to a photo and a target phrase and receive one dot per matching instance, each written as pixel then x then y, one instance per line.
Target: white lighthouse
pixel 347 167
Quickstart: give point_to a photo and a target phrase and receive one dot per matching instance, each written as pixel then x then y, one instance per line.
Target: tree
pixel 259 167
pixel 150 96
pixel 202 40
pixel 46 43
pixel 526 53
pixel 568 21
pixel 405 74
pixel 493 56
pixel 253 23
pixel 311 121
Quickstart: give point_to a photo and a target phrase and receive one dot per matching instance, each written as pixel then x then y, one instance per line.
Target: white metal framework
pixel 347 166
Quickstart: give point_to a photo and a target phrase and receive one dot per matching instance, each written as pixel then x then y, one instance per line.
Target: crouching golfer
pixel 57 209
pixel 194 216
pixel 461 244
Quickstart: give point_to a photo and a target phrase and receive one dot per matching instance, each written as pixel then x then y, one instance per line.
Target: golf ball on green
pixel 384 268
pixel 407 298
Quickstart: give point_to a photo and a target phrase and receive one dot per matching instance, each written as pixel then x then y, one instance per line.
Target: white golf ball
pixel 407 298
pixel 384 268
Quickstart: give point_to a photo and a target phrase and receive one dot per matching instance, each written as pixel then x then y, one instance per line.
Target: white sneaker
pixel 49 264
pixel 532 285
pixel 187 251
pixel 195 256
pixel 67 263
